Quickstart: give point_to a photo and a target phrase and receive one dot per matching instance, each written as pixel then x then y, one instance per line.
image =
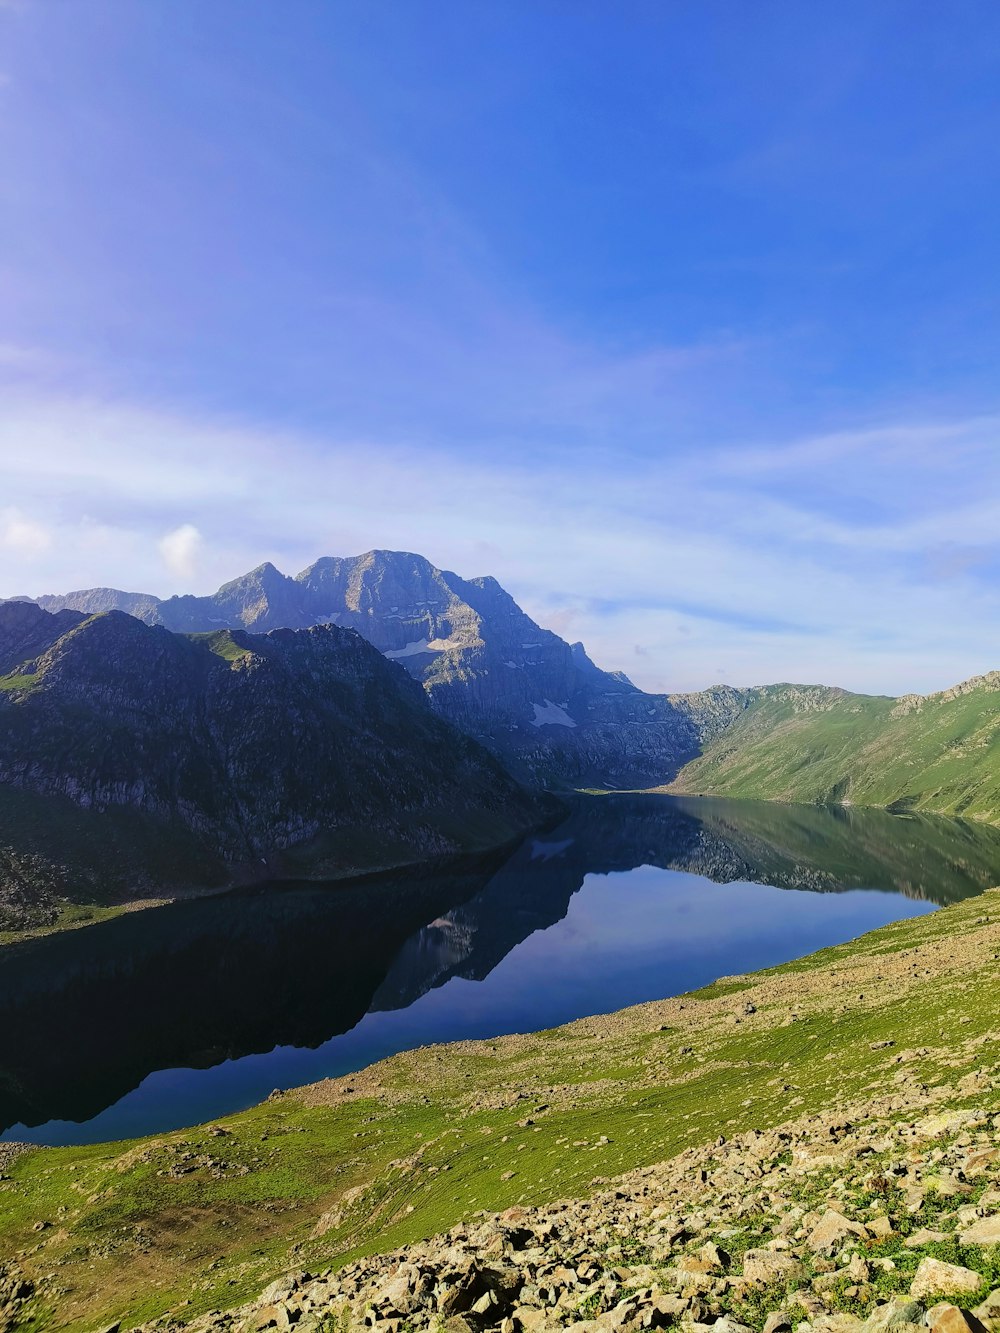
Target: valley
pixel 398 968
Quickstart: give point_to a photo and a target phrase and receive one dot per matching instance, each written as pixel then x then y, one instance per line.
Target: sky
pixel 679 318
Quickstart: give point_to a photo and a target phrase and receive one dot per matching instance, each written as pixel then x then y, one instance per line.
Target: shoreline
pixel 320 1176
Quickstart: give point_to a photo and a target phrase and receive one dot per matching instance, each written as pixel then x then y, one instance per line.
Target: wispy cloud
pixel 21 536
pixel 708 572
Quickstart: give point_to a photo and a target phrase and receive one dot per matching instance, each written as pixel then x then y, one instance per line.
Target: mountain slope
pixel 26 631
pixel 536 701
pixel 253 745
pixel 937 752
pixel 876 1062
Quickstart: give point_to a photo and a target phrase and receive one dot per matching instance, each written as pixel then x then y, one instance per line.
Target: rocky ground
pixel 865 1219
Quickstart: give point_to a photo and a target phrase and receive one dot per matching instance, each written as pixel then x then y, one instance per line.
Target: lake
pixel 172 1016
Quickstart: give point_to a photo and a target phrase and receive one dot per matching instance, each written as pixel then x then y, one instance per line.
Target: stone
pixel 989 1312
pixel 270 1316
pixel 529 1317
pixel 925 1236
pixel 947 1318
pixel 616 1318
pixel 936 1278
pixel 981 1162
pixel 485 1305
pixel 672 1305
pixel 898 1313
pixel 984 1232
pixel 769 1266
pixel 711 1253
pixel 696 1263
pixel 399 1296
pixel 778 1321
pixel 831 1231
pixel 458 1323
pixel 808 1301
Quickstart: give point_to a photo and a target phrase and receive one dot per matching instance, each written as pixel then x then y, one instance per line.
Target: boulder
pixel 984 1232
pixel 831 1231
pixel 779 1321
pixel 947 1318
pixel 770 1266
pixel 899 1313
pixel 936 1278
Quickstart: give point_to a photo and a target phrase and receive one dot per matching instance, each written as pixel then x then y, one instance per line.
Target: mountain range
pixel 377 710
pixel 539 703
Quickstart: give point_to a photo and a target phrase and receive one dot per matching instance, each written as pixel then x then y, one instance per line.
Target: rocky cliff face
pixel 26 631
pixel 536 701
pixel 256 744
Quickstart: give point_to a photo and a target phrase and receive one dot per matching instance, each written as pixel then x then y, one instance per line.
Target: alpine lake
pixel 174 1015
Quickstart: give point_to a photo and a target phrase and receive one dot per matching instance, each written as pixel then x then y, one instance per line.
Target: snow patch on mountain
pixel 551 715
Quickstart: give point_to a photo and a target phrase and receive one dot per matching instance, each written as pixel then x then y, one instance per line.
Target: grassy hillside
pixel 202 1219
pixel 939 752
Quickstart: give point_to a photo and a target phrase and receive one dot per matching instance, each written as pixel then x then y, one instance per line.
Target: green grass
pixel 940 753
pixel 68 916
pixel 62 865
pixel 221 643
pixel 23 681
pixel 425 1138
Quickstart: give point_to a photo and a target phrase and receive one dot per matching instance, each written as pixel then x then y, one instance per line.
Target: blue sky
pixel 679 318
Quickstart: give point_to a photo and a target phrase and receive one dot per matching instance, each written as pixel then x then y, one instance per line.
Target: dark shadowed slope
pixel 283 751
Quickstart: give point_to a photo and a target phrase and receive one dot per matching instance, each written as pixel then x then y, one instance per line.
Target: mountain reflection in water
pixel 173 1015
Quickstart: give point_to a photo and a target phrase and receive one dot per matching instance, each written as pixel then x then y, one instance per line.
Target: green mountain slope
pixel 899 1024
pixel 937 752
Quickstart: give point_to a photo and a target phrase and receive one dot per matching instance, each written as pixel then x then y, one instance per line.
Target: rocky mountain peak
pixel 550 713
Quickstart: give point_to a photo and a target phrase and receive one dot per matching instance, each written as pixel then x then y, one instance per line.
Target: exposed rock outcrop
pixel 538 702
pixel 255 745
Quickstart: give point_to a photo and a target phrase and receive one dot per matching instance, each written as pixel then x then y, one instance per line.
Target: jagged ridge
pixel 256 744
pixel 538 702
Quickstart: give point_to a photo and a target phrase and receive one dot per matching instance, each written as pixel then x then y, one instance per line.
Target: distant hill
pixel 538 702
pixel 937 752
pixel 295 749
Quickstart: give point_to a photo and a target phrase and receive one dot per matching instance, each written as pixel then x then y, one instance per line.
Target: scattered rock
pixel 984 1232
pixel 936 1278
pixel 946 1318
pixel 831 1231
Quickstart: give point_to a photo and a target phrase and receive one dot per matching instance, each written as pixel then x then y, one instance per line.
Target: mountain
pixel 938 752
pixel 26 631
pixel 536 701
pixel 246 750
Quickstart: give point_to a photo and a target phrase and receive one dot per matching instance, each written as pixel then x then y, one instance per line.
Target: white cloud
pixel 804 570
pixel 180 550
pixel 22 536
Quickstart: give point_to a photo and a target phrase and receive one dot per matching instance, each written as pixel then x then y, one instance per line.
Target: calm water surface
pixel 173 1016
